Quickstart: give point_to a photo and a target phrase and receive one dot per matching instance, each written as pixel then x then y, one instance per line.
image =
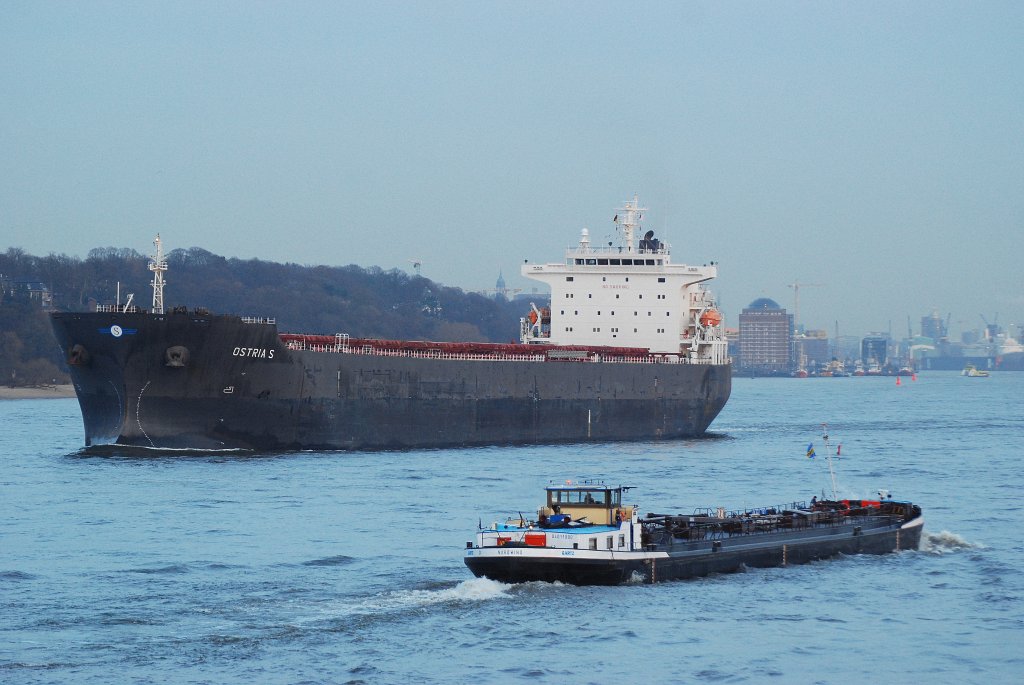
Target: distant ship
pixel 971 371
pixel 630 347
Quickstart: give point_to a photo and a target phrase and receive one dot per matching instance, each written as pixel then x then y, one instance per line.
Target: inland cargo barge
pixel 630 346
pixel 586 534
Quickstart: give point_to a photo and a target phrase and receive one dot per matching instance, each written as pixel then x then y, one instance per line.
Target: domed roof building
pixel 766 339
pixel 764 303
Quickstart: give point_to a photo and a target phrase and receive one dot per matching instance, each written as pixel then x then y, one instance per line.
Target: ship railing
pixel 259 319
pixel 342 347
pixel 118 309
pixel 615 250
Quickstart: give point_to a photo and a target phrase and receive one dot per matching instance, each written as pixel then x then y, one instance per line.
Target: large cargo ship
pixel 631 346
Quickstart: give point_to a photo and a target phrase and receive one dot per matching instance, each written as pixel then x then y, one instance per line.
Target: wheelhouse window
pixel 583 496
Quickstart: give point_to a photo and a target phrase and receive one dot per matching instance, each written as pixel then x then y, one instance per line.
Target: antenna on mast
pixel 629 219
pixel 158 266
pixel 828 456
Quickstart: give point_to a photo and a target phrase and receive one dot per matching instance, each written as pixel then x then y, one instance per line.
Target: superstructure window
pixel 615 262
pixel 568 278
pixel 661 279
pixel 602 262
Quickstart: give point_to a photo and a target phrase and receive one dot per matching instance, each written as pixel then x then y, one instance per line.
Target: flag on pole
pixel 810 451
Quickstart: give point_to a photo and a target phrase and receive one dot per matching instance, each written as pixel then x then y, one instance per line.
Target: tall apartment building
pixel 766 338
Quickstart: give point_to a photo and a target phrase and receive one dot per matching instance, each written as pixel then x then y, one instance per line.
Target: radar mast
pixel 628 219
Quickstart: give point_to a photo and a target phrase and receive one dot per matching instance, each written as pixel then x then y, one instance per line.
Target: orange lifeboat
pixel 710 318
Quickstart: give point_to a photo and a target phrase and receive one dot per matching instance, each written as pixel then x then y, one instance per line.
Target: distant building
pixel 501 291
pixel 932 326
pixel 813 349
pixel 874 350
pixel 732 337
pixel 766 334
pixel 33 290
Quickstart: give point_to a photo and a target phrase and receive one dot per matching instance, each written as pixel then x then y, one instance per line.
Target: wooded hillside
pixel 363 302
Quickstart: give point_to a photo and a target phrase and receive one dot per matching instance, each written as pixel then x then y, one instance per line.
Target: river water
pixel 347 567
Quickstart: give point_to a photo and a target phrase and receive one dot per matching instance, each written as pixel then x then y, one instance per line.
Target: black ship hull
pixel 195 381
pixel 690 560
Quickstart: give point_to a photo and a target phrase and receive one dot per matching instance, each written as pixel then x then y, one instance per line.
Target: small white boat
pixel 972 371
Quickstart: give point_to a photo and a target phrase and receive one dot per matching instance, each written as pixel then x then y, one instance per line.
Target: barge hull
pixel 694 559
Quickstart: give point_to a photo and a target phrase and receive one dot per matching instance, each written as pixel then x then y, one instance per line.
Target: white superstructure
pixel 628 295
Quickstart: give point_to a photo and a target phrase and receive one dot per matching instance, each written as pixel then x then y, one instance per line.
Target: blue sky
pixel 873 147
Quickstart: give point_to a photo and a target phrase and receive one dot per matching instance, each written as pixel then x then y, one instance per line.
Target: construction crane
pixel 991 329
pixel 796 285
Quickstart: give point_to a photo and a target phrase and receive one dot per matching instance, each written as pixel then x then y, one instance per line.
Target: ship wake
pixel 944 542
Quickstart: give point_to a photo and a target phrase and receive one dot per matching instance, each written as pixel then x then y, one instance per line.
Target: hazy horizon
pixel 872 149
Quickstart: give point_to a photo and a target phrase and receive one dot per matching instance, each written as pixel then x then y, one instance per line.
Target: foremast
pixel 158 265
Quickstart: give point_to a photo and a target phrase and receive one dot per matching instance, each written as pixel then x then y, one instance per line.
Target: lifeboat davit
pixel 710 318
